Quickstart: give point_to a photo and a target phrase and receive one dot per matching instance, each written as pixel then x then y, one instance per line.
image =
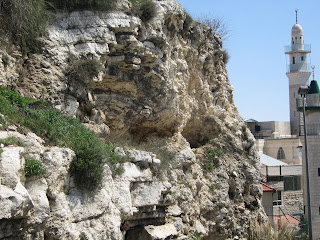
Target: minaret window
pixel 301 58
pixel 280 154
pixel 293 60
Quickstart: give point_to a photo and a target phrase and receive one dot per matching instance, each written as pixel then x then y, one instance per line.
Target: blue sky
pixel 259 30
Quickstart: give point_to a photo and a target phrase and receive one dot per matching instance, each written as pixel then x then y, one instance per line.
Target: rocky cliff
pixel 162 96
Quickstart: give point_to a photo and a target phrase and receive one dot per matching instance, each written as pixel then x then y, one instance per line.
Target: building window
pixel 277 198
pixel 292 183
pixel 301 58
pixel 319 172
pixel 274 178
pixel 293 60
pixel 280 154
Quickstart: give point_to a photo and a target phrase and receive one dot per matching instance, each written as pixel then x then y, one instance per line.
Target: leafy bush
pixel 84 69
pixel 87 166
pixel 145 9
pixel 10 141
pixel 34 167
pixel 24 21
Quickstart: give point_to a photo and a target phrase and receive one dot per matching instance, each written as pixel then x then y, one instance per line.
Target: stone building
pixel 284 141
pixel 313 140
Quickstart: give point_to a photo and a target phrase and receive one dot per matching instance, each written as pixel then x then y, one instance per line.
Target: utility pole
pixel 303 91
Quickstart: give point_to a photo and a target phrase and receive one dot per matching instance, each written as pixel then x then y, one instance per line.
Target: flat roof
pixel 270 161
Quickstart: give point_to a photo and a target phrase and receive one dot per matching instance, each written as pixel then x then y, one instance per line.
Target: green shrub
pixel 24 21
pixel 212 158
pixel 84 69
pixel 11 141
pixel 34 167
pixel 145 9
pixel 87 166
pixel 208 166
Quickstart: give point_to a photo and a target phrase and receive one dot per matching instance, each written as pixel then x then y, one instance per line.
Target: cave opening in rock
pixel 137 233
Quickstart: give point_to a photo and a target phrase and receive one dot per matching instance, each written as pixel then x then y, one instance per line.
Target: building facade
pixel 313 147
pixel 284 141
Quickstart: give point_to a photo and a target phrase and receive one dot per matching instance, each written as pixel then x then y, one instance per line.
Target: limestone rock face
pixel 193 168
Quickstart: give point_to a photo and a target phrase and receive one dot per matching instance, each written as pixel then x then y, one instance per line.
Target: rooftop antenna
pixel 296 16
pixel 313 67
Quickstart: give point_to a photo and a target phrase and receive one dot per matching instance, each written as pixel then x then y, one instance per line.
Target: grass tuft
pixel 34 167
pixel 145 9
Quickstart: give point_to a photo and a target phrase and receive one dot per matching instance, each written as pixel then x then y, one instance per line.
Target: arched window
pixel 301 58
pixel 293 60
pixel 280 154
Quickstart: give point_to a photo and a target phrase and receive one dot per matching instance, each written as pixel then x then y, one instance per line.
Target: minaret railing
pixel 297 47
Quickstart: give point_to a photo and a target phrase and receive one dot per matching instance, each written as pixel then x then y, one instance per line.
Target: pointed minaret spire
pixel 296 16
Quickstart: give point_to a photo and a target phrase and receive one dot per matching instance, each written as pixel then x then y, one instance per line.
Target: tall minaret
pixel 298 73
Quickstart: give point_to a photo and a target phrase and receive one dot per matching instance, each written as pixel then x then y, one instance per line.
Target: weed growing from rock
pixel 34 167
pixel 212 158
pixel 82 70
pixel 115 160
pixel 11 141
pixel 145 9
pixel 214 186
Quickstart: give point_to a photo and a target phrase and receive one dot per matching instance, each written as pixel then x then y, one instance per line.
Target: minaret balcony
pixel 299 67
pixel 293 48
